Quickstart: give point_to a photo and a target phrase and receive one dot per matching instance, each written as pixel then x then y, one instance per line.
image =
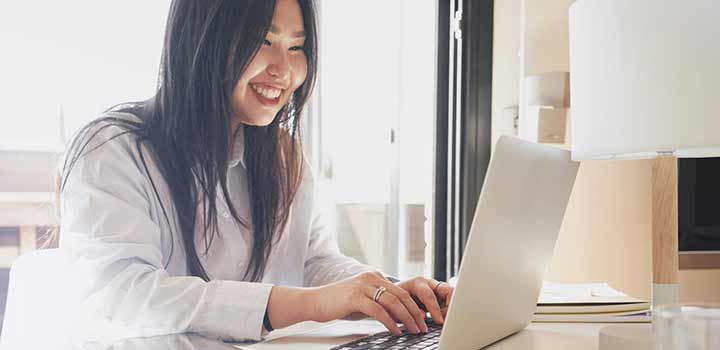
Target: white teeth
pixel 267 92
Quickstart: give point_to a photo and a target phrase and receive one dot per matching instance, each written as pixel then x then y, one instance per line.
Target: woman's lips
pixel 267 95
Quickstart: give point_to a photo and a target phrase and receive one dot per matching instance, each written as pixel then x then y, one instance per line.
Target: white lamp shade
pixel 645 78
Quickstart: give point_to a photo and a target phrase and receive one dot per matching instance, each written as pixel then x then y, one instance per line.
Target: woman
pixel 194 211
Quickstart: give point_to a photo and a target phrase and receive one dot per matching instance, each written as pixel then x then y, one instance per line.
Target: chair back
pixel 41 301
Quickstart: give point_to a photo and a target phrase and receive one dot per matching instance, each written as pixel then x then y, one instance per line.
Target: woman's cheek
pixel 300 71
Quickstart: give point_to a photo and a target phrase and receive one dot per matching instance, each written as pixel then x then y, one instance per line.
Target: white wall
pixel 82 56
pixel 506 61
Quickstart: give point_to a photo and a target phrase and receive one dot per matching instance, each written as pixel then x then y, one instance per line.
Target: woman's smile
pixel 277 69
pixel 267 95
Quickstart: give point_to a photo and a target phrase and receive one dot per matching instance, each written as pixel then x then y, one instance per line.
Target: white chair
pixel 40 302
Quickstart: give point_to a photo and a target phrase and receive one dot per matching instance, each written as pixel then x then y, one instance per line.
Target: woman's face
pixel 277 70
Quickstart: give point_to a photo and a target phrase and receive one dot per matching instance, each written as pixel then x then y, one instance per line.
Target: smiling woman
pixel 279 67
pixel 195 210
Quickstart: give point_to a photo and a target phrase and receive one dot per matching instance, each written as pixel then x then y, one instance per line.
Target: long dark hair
pixel 208 44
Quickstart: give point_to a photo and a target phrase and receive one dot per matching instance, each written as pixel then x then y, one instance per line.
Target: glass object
pixel 687 327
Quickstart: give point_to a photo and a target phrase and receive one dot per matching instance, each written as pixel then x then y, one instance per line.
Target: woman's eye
pixel 297 48
pixel 266 42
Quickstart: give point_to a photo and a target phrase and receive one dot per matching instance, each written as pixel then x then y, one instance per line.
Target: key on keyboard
pixel 387 340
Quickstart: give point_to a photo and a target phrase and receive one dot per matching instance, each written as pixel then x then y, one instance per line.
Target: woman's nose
pixel 279 67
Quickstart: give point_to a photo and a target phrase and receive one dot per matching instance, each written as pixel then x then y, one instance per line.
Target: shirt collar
pixel 238 148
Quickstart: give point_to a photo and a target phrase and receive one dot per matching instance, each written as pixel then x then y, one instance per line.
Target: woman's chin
pixel 257 121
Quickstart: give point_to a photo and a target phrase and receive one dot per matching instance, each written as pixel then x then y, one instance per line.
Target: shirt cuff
pixel 235 310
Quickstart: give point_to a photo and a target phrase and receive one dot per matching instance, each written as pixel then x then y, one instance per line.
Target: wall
pixel 606 232
pixel 506 62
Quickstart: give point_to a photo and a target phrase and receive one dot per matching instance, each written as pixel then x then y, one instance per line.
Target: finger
pixel 395 307
pixel 374 310
pixel 429 299
pixel 444 291
pixel 406 298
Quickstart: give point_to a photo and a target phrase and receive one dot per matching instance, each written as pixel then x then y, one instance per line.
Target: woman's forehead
pixel 288 18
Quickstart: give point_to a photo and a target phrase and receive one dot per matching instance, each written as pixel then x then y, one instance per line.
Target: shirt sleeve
pixel 325 263
pixel 106 227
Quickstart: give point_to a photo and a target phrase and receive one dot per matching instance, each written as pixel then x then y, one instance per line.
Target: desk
pixel 316 336
pixel 538 336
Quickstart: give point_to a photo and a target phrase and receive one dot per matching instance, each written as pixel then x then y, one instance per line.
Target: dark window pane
pixel 9 236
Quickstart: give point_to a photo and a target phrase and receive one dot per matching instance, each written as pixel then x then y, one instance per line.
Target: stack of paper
pixel 588 302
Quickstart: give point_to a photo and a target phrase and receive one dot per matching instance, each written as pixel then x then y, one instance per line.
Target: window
pixel 375 127
pixel 61 64
pixel 64 62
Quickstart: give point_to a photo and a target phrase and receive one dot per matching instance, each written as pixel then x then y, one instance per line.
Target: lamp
pixel 644 80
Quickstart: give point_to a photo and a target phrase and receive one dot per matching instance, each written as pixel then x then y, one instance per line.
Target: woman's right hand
pixel 352 298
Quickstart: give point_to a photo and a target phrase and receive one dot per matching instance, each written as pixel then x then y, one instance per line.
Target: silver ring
pixel 437 285
pixel 378 293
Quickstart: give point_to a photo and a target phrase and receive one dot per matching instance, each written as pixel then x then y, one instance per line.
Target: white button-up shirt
pixel 113 226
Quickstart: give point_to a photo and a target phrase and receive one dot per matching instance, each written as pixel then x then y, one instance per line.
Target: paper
pixel 553 292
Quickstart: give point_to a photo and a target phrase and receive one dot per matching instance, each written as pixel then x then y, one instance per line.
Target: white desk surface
pixel 538 336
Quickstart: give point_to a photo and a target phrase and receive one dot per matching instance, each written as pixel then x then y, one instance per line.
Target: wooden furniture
pixel 28 211
pixel 699 261
pixel 665 222
pixel 27 199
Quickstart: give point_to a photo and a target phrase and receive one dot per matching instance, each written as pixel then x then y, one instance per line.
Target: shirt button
pixel 225 215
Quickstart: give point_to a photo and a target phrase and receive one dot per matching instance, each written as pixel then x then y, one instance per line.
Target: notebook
pixel 588 302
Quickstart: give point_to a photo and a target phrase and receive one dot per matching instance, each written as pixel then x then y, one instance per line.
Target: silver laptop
pixel 512 238
pixel 513 234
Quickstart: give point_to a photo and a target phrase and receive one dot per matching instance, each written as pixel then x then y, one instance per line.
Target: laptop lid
pixel 517 219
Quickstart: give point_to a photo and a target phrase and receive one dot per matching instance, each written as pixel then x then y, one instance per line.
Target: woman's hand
pixel 352 297
pixel 433 296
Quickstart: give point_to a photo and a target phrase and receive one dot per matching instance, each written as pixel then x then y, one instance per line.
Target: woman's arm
pixel 107 227
pixel 289 305
pixel 347 298
pixel 344 287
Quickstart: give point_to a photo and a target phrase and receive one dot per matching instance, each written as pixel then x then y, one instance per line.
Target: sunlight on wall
pixel 80 57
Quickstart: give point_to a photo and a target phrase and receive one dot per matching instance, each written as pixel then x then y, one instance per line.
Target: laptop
pixel 511 241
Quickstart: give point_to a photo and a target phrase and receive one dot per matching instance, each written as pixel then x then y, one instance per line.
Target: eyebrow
pixel 276 31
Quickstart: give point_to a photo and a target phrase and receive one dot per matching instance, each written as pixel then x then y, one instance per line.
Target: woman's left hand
pixel 431 295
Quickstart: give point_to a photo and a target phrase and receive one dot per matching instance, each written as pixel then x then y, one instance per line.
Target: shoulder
pixel 111 142
pixel 112 128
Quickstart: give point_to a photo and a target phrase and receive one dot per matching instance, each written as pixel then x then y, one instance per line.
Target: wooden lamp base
pixel 665 231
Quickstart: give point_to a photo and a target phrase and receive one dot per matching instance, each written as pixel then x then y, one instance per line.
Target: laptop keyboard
pixel 387 340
